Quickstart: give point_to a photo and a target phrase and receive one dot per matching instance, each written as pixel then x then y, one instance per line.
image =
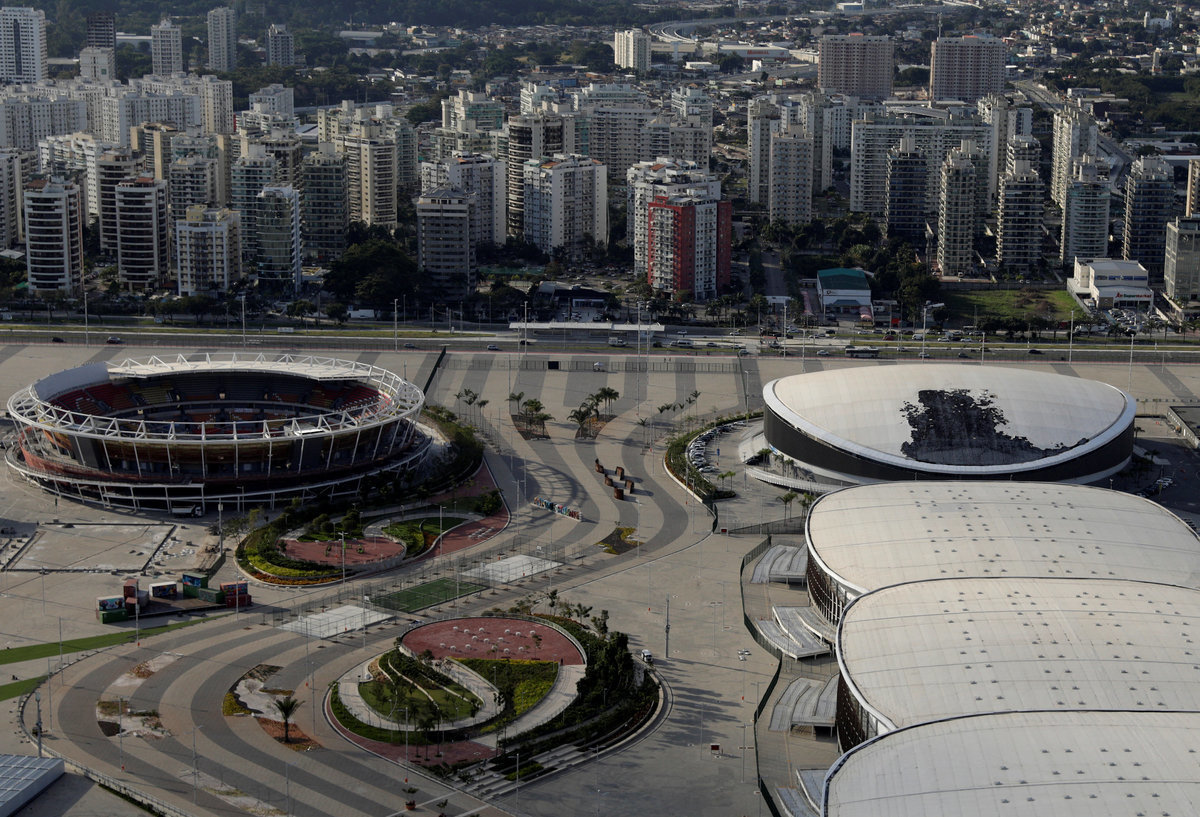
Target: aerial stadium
pixel 186 433
pixel 925 651
pixel 867 537
pixel 941 421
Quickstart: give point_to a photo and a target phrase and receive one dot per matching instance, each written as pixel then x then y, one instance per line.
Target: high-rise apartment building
pixel 22 44
pixel 688 244
pixel 193 180
pixel 143 234
pixel 905 209
pixel 285 146
pixel 1075 134
pixel 1181 268
pixel 112 167
pixel 99 64
pixel 858 65
pixel 53 217
pixel 763 118
pixel 566 205
pixel 1149 204
pixel 278 224
pixel 26 119
pixel 445 251
pixel 101 30
pixel 208 250
pixel 934 133
pixel 1193 189
pixel 153 141
pixel 274 99
pixel 371 166
pixel 222 39
pixel 281 46
pixel 1086 214
pixel 12 180
pixel 471 106
pixel 166 48
pixel 529 137
pixel 1022 148
pixel 324 204
pixel 476 173
pixel 631 49
pixel 1019 222
pixel 73 156
pixel 1007 122
pixel 663 178
pixel 250 175
pixel 956 214
pixel 791 181
pixel 966 68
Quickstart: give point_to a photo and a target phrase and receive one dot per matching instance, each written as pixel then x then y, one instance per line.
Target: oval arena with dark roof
pixel 186 432
pixel 929 421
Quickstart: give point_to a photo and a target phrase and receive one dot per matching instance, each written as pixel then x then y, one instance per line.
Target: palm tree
pixel 580 417
pixel 515 398
pixel 287 707
pixel 787 500
pixel 606 395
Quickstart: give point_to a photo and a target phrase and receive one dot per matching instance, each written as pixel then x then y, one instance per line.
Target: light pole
pixel 243 300
pixel 395 327
pixel 37 697
pixel 343 535
pixel 195 768
pixel 87 334
pixel 924 322
pixel 287 782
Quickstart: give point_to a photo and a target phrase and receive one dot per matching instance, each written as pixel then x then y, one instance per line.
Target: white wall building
pixel 208 250
pixel 22 44
pixel 1111 283
pixel 646 181
pixel 631 49
pixel 166 48
pixel 445 251
pixel 222 39
pixel 143 234
pixel 791 179
pixel 279 255
pixel 566 204
pixel 53 215
pixel 481 175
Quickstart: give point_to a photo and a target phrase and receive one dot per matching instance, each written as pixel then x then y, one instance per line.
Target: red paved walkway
pixel 476 531
pixel 475 638
pixel 375 548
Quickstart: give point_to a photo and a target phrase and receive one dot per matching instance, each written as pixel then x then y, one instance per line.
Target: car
pixel 1036 352
pixel 681 332
pixel 742 350
pixel 963 354
pixel 491 347
pixel 924 355
pixel 113 339
pixel 889 336
pixel 711 345
pixel 410 346
pixel 822 353
pixel 57 339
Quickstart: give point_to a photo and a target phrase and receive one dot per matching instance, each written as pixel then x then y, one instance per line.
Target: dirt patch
pixel 298 741
pixel 364 551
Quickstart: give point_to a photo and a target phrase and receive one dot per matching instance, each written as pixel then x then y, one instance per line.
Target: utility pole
pixel 667 631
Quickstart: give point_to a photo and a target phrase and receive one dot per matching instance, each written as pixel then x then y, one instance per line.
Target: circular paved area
pixel 374 549
pixel 493 638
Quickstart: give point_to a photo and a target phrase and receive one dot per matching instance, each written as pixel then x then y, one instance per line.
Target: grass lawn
pixel 1052 304
pixel 378 696
pixel 32 651
pixel 425 595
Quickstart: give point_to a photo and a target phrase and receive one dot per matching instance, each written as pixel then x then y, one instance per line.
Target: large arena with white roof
pixel 924 651
pixel 943 421
pixel 185 433
pixel 872 536
pixel 1048 764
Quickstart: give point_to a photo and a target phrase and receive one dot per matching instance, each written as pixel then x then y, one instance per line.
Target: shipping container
pixel 110 603
pixel 211 595
pixel 164 590
pixel 195 579
pixel 112 616
pixel 131 587
pixel 238 601
pixel 241 588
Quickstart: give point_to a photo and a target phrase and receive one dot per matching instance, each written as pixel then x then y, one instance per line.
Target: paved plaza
pixel 703 755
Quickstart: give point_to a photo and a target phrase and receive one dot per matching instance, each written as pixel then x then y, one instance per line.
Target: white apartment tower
pixel 281 46
pixel 250 175
pixel 1193 189
pixel 371 166
pixel 53 216
pixel 445 251
pixel 966 68
pixel 166 48
pixel 222 39
pixel 956 214
pixel 631 49
pixel 192 181
pixel 791 181
pixel 1181 269
pixel 143 234
pixel 1086 214
pixel 481 175
pixel 1075 134
pixel 112 167
pixel 1149 204
pixel 324 204
pixel 22 44
pixel 279 254
pixel 1007 122
pixel 98 63
pixel 566 204
pixel 858 65
pixel 763 119
pixel 208 250
pixel 1019 223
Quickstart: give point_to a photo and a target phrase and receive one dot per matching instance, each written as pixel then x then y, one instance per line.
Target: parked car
pixel 491 347
pixel 57 339
pixel 113 339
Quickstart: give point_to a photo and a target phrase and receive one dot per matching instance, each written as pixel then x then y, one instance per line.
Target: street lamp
pixel 195 768
pixel 924 322
pixel 37 697
pixel 395 327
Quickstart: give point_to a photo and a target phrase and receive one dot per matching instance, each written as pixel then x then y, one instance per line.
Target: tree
pixel 337 312
pixel 606 395
pixel 787 500
pixel 287 707
pixel 515 398
pixel 300 309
